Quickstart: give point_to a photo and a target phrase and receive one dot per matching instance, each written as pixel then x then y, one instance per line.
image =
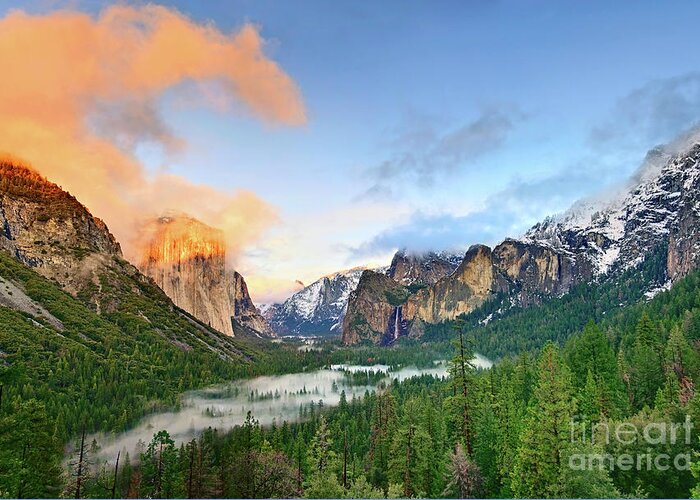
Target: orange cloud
pixel 78 93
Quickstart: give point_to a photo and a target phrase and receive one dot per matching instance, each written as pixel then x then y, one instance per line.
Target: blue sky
pixel 432 124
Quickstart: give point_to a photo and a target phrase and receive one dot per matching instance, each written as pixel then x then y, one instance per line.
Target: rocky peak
pixel 187 260
pixel 372 310
pixel 464 290
pixel 422 268
pixel 48 229
pixel 317 309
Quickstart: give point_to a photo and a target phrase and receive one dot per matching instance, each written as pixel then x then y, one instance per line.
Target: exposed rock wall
pixel 421 269
pixel 464 290
pixel 48 229
pixel 530 270
pixel 187 260
pixel 372 308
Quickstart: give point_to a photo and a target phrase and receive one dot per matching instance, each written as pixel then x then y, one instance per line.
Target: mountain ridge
pixel 583 244
pixel 319 308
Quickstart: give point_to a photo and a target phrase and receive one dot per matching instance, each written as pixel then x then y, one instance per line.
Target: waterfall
pixel 397 322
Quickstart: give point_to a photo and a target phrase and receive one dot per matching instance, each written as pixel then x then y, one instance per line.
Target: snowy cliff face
pixel 187 260
pixel 317 309
pixel 660 207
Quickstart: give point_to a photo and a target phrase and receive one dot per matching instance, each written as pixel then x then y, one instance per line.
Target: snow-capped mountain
pixel 317 309
pixel 658 210
pixel 659 206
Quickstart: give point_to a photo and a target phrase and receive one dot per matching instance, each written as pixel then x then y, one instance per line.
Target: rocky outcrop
pixel 422 268
pixel 48 229
pixel 244 310
pixel 684 235
pixel 593 240
pixel 187 260
pixel 534 270
pixel 516 268
pixel 374 312
pixel 467 288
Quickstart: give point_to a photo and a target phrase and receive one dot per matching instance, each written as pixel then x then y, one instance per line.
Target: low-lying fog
pixel 269 398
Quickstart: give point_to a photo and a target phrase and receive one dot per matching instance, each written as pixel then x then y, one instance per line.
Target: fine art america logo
pixel 654 439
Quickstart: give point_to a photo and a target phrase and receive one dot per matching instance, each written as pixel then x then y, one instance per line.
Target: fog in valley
pixel 269 399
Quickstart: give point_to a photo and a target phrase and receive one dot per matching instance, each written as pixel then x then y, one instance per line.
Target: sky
pixel 326 135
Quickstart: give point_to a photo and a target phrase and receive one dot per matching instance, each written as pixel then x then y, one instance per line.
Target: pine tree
pixel 360 488
pixel 409 462
pixel 275 476
pixel 381 435
pixel 462 379
pixel 646 371
pixel 160 468
pixel 593 482
pixel 546 431
pixel 243 474
pixel 486 430
pixel 29 454
pixel 681 361
pixel 321 456
pixel 591 352
pixel 323 465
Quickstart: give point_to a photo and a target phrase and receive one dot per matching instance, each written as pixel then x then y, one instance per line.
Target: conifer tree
pixel 323 464
pixel 160 468
pixel 464 478
pixel 461 375
pixel 409 462
pixel 381 435
pixel 646 371
pixel 29 454
pixel 546 431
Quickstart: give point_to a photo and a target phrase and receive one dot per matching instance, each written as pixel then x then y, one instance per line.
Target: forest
pixel 519 429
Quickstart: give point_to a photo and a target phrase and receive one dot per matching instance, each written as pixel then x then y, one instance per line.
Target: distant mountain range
pixel 49 230
pixel 319 309
pixel 595 240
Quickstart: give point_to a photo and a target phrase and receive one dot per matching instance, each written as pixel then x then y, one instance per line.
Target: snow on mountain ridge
pixel 630 223
pixel 317 307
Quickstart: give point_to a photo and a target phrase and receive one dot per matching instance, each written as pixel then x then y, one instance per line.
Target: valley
pixel 169 356
pixel 270 399
pixel 349 250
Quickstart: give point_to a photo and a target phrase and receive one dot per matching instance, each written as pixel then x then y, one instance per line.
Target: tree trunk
pixel 79 472
pixel 116 471
pixel 465 393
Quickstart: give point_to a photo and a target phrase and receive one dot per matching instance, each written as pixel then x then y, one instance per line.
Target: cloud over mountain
pixel 78 94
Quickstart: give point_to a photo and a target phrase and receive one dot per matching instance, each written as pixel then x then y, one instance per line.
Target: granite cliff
pixel 187 260
pixel 594 240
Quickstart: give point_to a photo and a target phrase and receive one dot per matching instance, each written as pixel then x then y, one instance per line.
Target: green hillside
pixel 104 372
